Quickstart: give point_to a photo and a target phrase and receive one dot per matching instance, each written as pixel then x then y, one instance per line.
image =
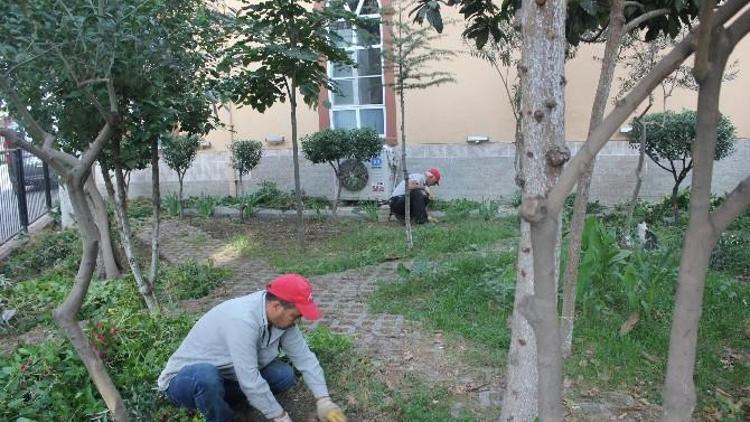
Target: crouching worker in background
pixel 419 196
pixel 231 355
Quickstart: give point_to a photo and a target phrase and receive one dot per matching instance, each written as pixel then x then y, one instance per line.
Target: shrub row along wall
pixel 484 171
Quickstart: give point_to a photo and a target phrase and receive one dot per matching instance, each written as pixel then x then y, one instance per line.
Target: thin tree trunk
pixel 704 227
pixel 639 168
pixel 66 313
pixel 144 288
pixel 675 207
pixel 295 160
pixel 407 191
pixel 99 211
pixel 609 60
pixel 542 74
pixel 122 260
pixel 156 204
pixel 179 196
pixel 336 188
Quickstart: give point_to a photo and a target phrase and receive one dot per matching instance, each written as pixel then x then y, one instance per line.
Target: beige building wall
pixel 478 105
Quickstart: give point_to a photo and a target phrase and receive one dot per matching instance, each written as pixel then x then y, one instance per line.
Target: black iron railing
pixel 28 190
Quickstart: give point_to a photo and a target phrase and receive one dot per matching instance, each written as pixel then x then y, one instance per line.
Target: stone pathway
pixel 401 348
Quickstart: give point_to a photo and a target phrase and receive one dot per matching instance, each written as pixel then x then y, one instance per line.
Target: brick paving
pixel 400 348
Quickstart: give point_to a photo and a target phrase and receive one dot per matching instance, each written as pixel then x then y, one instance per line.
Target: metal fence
pixel 28 190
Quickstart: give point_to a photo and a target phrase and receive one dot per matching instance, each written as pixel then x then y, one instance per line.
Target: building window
pixel 359 100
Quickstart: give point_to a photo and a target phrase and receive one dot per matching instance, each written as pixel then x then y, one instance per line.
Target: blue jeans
pixel 202 387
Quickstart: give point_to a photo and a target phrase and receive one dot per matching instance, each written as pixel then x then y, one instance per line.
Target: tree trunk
pixel 144 288
pixel 675 207
pixel 180 177
pixel 120 256
pixel 543 132
pixel 295 160
pixel 609 60
pixel 704 227
pixel 407 191
pixel 99 211
pixel 66 314
pixel 156 203
pixel 638 169
pixel 519 400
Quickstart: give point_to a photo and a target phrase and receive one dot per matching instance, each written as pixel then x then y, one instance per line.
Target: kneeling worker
pixel 231 354
pixel 419 196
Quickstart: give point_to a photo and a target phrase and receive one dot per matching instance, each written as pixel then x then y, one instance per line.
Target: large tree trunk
pixel 542 73
pixel 66 313
pixel 99 211
pixel 144 288
pixel 704 227
pixel 156 203
pixel 609 60
pixel 295 162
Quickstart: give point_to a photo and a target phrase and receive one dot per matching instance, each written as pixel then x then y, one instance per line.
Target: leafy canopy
pixel 246 155
pixel 279 44
pixel 670 136
pixel 335 145
pixel 484 17
pixel 180 151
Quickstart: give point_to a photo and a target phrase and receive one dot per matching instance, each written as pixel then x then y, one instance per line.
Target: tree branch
pixel 702 63
pixel 633 4
pixel 643 18
pixel 595 38
pixel 86 92
pixel 603 132
pixel 94 148
pixel 27 61
pixel 29 122
pixel 733 206
pixel 662 166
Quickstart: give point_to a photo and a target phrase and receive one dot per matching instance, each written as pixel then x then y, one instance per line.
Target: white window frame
pixel 354 48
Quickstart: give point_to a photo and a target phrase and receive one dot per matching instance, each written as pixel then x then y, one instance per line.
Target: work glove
pixel 328 411
pixel 284 417
pixel 432 219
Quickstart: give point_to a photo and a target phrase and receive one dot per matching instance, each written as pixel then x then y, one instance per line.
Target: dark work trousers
pixel 418 211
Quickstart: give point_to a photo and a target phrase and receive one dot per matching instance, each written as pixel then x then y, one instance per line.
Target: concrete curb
pixel 8 247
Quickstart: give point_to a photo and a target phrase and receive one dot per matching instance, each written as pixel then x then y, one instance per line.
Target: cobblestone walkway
pixel 400 347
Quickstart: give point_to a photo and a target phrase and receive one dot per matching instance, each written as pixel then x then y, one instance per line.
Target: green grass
pixel 351 375
pixel 365 243
pixel 469 296
pixel 472 297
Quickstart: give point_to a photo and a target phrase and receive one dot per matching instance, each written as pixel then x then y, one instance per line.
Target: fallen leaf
pixel 628 325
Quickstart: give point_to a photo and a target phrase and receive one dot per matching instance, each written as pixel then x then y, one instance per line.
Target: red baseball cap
pixel 435 173
pixel 295 289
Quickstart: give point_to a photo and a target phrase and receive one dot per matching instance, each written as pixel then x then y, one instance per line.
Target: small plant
pixel 370 210
pixel 191 280
pixel 205 205
pixel 488 210
pixel 516 199
pixel 334 146
pixel 171 204
pixel 48 250
pixel 669 143
pixel 244 245
pixel 179 153
pixel 460 209
pixel 246 155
